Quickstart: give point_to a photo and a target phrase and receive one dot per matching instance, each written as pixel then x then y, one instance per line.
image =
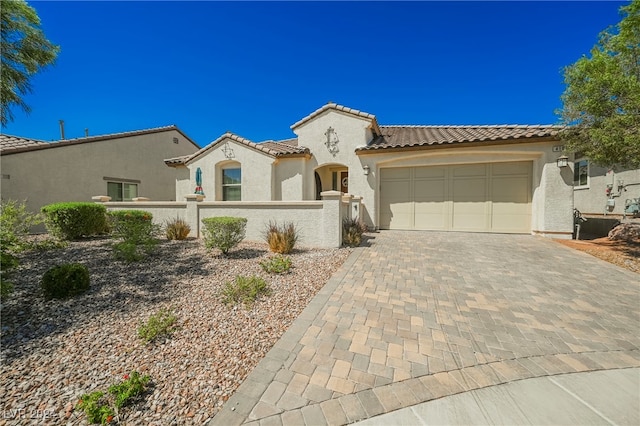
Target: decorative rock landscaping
pixel 54 351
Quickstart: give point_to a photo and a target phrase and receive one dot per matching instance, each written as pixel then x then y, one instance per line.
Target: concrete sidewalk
pixel 610 397
pixel 420 316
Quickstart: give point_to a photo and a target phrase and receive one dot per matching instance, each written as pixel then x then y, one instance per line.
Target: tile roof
pixel 66 142
pixel 337 107
pixel 424 136
pixel 277 149
pixel 8 142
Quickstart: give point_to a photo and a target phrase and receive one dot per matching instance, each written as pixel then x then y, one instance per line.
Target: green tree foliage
pixel 601 103
pixel 24 50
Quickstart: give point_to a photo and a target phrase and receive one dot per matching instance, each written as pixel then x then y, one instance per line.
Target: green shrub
pixel 158 324
pixel 70 221
pixel 65 280
pixel 244 290
pixel 136 231
pixel 133 386
pixel 96 408
pixel 223 232
pixel 101 408
pixel 281 238
pixel 277 264
pixel 352 230
pixel 177 229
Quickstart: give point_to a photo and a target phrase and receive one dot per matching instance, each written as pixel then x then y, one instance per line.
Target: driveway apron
pixel 415 316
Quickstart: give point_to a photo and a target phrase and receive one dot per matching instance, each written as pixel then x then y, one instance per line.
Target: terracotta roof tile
pixel 8 142
pixel 337 107
pixel 415 136
pixel 284 148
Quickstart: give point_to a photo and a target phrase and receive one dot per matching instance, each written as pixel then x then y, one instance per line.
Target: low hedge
pixel 70 221
pixel 223 232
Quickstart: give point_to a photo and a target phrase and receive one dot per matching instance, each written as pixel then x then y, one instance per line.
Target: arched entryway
pixel 331 177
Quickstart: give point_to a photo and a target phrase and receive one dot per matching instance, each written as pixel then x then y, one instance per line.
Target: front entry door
pixel 344 182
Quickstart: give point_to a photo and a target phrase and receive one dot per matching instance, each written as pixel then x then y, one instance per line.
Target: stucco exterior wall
pixel 288 182
pixel 351 132
pixel 592 199
pixel 77 172
pixel 256 172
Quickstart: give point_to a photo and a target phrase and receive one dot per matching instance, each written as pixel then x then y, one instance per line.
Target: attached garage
pixel 486 197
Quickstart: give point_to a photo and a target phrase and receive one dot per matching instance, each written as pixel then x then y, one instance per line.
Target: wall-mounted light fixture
pixel 562 161
pixel 366 170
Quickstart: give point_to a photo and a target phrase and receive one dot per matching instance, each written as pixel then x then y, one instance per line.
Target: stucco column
pixel 192 214
pixel 331 218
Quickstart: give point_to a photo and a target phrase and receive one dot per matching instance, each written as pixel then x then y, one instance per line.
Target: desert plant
pixel 223 232
pixel 65 280
pixel 70 221
pixel 133 385
pixel 352 230
pixel 96 407
pixel 177 229
pixel 160 323
pixel 281 238
pixel 277 264
pixel 244 290
pixel 101 407
pixel 136 233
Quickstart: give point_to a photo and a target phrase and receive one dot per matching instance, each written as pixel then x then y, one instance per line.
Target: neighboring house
pixel 453 178
pixel 121 165
pixel 604 191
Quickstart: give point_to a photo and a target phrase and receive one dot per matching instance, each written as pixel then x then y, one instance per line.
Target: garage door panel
pixel 478 197
pixel 510 190
pixel 469 170
pixel 429 172
pixel 470 216
pixel 469 190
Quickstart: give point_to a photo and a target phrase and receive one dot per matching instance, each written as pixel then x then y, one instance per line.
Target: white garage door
pixel 493 197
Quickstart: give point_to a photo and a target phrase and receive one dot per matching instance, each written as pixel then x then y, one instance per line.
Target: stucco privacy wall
pixel 319 223
pixel 76 172
pixel 592 199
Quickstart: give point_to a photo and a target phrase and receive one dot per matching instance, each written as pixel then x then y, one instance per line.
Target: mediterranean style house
pixel 502 179
pixel 125 166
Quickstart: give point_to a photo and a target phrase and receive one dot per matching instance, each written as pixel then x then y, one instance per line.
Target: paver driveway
pixel 421 315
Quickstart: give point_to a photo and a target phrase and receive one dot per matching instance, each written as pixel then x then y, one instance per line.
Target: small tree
pixel 601 103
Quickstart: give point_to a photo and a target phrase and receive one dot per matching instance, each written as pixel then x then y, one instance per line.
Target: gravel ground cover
pixel 54 351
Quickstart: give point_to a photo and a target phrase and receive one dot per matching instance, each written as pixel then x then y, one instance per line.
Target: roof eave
pixel 509 141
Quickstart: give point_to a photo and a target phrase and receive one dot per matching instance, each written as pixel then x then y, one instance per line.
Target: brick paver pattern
pixel 415 316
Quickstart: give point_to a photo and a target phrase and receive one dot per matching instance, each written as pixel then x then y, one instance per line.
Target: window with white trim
pixel 231 184
pixel 122 191
pixel 581 173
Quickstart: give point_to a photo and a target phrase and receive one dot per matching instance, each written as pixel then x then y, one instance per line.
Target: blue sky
pixel 255 68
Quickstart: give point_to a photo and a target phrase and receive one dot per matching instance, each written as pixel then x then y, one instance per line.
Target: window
pixel 121 191
pixel 581 173
pixel 231 184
